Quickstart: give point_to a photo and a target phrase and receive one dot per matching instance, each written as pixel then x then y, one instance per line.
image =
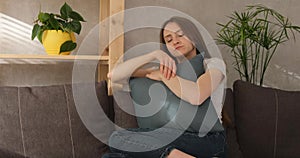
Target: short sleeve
pixel 217 96
pixel 215 63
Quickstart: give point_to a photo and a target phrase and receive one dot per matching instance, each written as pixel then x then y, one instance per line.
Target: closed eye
pixel 168 39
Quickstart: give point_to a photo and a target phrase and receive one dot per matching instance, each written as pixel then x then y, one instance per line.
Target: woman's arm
pixel 179 154
pixel 131 67
pixel 194 92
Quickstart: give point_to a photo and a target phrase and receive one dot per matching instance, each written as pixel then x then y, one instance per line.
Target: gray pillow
pixel 164 106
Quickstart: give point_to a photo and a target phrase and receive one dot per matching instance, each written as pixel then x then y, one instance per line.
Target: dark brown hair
pixel 190 30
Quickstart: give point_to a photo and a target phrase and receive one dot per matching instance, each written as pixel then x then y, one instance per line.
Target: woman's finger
pixel 170 68
pixel 174 69
pixel 169 73
pixel 161 68
pixel 165 71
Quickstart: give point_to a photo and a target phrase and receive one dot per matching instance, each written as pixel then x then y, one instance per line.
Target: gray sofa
pixel 264 122
pixel 42 122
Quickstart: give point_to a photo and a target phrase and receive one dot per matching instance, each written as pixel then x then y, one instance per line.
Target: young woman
pixel 181 41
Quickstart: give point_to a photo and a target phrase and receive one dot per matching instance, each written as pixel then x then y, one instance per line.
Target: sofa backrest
pixel 266 121
pixel 43 122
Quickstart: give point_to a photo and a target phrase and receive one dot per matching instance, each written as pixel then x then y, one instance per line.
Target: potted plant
pixel 253 37
pixel 56 31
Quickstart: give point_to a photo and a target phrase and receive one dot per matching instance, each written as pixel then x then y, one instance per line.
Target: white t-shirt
pixel 218 94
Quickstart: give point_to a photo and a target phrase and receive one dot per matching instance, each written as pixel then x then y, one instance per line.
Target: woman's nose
pixel 175 40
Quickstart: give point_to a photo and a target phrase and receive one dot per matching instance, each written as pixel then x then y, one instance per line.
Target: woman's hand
pixel 155 75
pixel 179 154
pixel 167 64
pixel 109 75
pixel 124 70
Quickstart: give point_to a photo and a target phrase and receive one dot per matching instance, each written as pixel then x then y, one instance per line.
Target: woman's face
pixel 177 43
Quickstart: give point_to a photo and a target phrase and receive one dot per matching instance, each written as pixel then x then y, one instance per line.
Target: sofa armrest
pixel 233 148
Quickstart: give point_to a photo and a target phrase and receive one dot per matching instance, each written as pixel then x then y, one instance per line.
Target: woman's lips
pixel 178 47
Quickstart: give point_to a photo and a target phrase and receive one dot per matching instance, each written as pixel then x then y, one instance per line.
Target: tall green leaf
pixel 253 38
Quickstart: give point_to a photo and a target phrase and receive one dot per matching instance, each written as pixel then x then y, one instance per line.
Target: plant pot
pixel 53 39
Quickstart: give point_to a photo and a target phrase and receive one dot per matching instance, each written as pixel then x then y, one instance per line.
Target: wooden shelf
pixel 27 58
pixel 63 57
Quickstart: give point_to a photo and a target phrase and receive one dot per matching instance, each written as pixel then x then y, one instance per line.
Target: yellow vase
pixel 53 39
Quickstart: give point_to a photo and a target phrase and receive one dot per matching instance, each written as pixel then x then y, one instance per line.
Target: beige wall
pixel 284 70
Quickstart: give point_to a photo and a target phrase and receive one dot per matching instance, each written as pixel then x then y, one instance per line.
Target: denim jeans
pixel 145 144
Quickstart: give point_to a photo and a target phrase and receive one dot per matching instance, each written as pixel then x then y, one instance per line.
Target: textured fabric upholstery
pixel 266 121
pixel 233 148
pixel 43 122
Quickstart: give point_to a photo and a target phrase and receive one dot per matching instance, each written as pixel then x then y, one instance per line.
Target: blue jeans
pixel 145 144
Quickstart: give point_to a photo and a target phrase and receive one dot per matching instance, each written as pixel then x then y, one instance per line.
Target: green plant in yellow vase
pixel 68 21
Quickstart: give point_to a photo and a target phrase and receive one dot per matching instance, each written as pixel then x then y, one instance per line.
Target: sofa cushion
pixel 85 144
pixel 124 113
pixel 42 121
pixel 10 135
pixel 267 121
